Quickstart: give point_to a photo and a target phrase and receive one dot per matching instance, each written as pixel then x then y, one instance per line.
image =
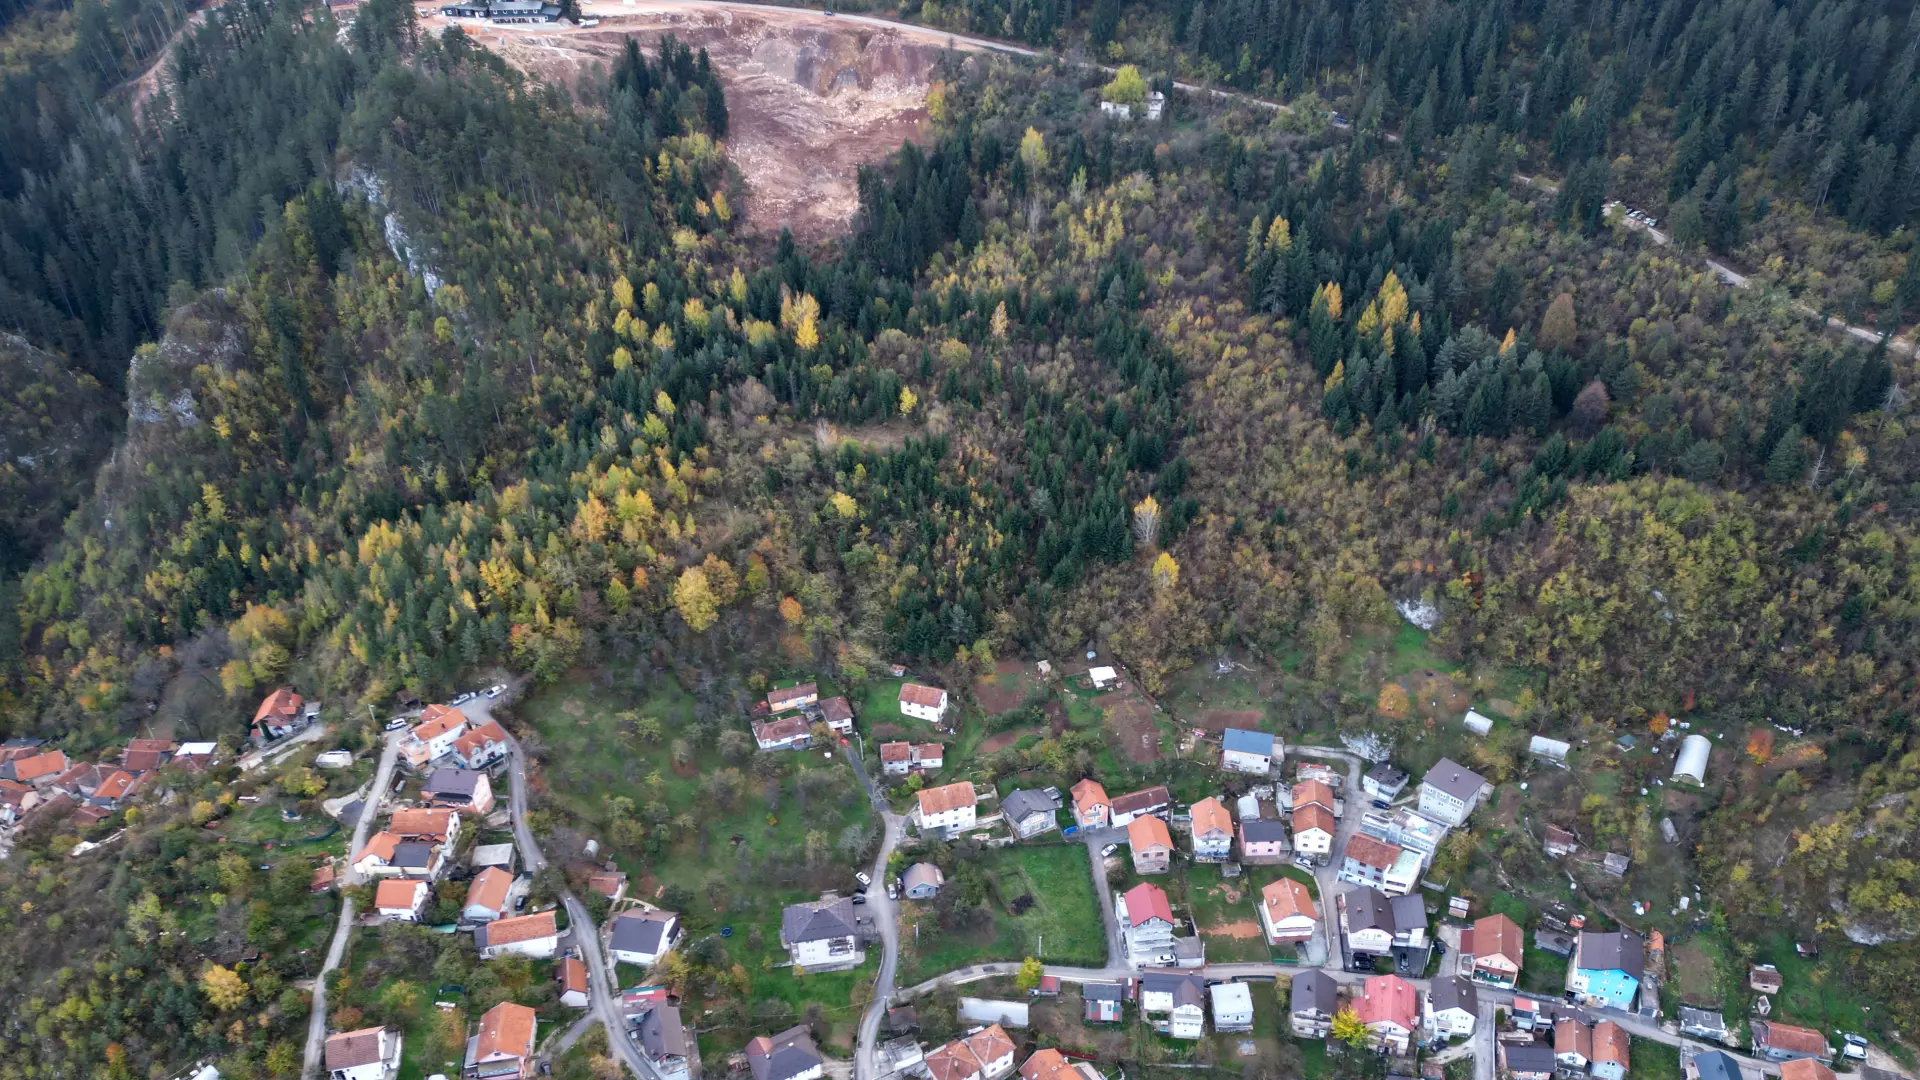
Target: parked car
pixel 396 723
pixel 863 878
pixel 1855 1046
pixel 859 898
pixel 893 890
pixel 1108 850
pixel 496 690
pixel 462 699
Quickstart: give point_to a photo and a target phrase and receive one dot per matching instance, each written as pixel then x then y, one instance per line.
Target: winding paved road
pixel 376 795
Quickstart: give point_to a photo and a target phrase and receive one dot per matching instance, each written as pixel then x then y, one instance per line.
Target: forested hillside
pixel 1231 381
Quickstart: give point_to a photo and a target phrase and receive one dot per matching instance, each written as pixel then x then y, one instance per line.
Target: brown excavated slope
pixel 810 98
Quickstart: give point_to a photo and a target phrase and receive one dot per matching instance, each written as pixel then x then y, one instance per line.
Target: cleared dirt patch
pixel 1006 689
pixel 999 741
pixel 1131 719
pixel 1219 720
pixel 810 99
pixel 1697 975
pixel 1433 694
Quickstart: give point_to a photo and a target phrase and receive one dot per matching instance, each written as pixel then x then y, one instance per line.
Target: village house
pixel 502 1049
pixel 1384 782
pixel 1765 979
pixel 535 935
pixel 662 1037
pixel 1607 969
pixel 927 703
pixel 901 758
pixel 1534 1061
pixel 195 756
pixel 1450 792
pixel 1212 830
pixel 1287 912
pixel 1102 1003
pixel 642 937
pixel 464 790
pixel 1310 790
pixel 1263 841
pixel 790 1055
pixel 1407 829
pixel 487 895
pixel 146 755
pixel 282 713
pixel 1151 844
pixel 1245 751
pixel 1559 842
pixel 1803 1069
pixel 36 770
pixel 922 881
pixel 16 799
pixel 1366 922
pixel 1611 1051
pixel 947 809
pixel 1232 1006
pixel 576 986
pixel 986 1054
pixel 788 698
pixel 1453 1007
pixel 1388 867
pixel 611 884
pixel 1146 918
pixel 1313 832
pixel 1495 948
pixel 480 747
pixel 367 1054
pixel 1714 1065
pixel 1030 813
pixel 1051 1064
pixel 1144 803
pixel 387 855
pixel 1785 1042
pixel 783 733
pixel 1390 1008
pixel 433 737
pixel 822 935
pixel 1703 1024
pixel 500 855
pixel 402 899
pixel 837 714
pixel 1313 999
pixel 1572 1043
pixel 1091 807
pixel 430 826
pixel 1178 995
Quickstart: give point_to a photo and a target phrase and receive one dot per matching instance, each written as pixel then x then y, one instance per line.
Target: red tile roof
pixel 928 696
pixel 351 1049
pixel 282 702
pixel 1285 898
pixel 396 894
pixel 1496 935
pixel 573 975
pixel 475 738
pixel 1313 817
pixel 522 928
pixel 434 823
pixel 896 751
pixel 489 889
pixel 1088 793
pixel 1610 1043
pixel 33 768
pixel 437 720
pixel 1788 1037
pixel 1148 832
pixel 1367 851
pixel 1798 1069
pixel 1388 999
pixel 1147 901
pixel 947 797
pixel 1137 802
pixel 505 1030
pixel 1312 791
pixel 1210 816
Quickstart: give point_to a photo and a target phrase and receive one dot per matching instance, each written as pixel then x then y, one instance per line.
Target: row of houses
pixel 41 781
pixel 444 736
pixel 499 1047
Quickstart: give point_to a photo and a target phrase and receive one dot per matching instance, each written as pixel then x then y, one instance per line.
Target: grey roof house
pixel 1715 1065
pixel 1450 791
pixel 789 1055
pixel 922 881
pixel 1030 813
pixel 1315 997
pixel 822 934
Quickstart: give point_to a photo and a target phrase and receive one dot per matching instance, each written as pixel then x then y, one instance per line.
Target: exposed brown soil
pixel 1132 721
pixel 995 743
pixel 1006 689
pixel 810 99
pixel 1219 720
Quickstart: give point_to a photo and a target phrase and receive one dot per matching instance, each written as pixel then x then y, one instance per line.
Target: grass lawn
pixel 1064 920
pixel 1314 1063
pixel 1654 1061
pixel 1811 994
pixel 1543 972
pixel 721 866
pixel 1225 910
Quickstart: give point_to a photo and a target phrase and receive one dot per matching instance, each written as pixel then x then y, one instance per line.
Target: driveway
pixel 1327 877
pixel 1116 940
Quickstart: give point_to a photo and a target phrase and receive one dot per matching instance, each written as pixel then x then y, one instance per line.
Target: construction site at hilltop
pixel 811 98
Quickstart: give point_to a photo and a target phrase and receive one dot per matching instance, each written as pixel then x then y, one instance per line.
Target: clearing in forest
pixel 1007 688
pixel 1131 720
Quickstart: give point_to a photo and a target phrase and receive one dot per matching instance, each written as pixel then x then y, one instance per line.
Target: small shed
pixel 1103 677
pixel 1616 864
pixel 1691 765
pixel 1668 832
pixel 1476 723
pixel 1765 979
